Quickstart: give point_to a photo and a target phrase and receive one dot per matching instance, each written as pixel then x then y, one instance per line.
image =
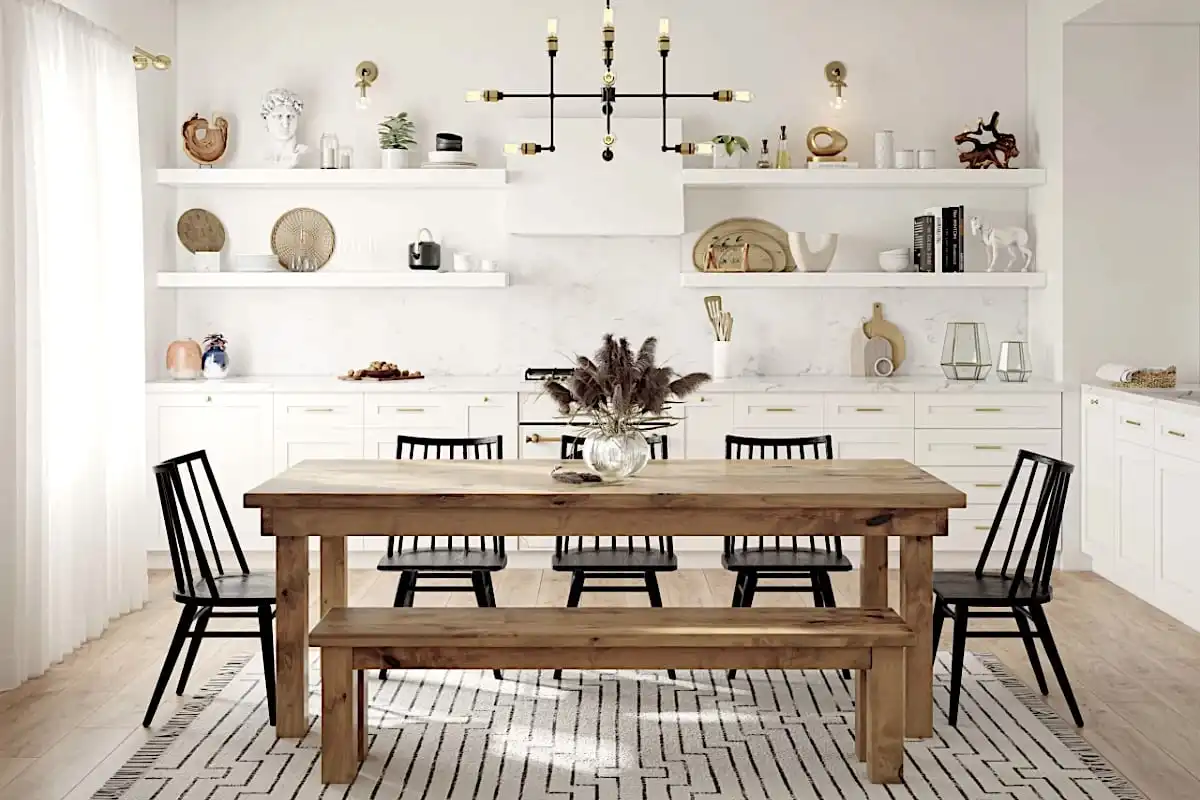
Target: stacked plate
pixel 449 159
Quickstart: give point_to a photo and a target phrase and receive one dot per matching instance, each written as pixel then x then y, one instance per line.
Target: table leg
pixel 885 728
pixel 291 636
pixel 916 606
pixel 873 593
pixel 334 589
pixel 339 739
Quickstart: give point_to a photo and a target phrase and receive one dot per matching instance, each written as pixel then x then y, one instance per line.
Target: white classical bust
pixel 282 109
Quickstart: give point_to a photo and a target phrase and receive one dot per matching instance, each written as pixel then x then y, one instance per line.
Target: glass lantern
pixel 1013 365
pixel 966 354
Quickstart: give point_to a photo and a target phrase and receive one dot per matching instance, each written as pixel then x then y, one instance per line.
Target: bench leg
pixel 361 675
pixel 339 741
pixel 885 715
pixel 861 713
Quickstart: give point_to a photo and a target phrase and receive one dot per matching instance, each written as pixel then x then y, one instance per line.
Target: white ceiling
pixel 1144 11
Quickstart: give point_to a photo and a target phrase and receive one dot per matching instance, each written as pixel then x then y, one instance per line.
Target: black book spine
pixel 923 237
pixel 956 239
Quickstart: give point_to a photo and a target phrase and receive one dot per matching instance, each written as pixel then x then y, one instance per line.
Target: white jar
pixel 927 159
pixel 885 150
pixel 906 159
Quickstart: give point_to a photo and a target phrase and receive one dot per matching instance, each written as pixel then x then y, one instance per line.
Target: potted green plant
pixel 728 151
pixel 395 137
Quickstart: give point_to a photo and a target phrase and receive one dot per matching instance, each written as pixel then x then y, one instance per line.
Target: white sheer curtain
pixel 74 515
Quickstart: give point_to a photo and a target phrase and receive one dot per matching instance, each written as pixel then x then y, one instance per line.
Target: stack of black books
pixel 939 240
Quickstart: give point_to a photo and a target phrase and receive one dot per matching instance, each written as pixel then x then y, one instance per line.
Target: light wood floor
pixel 1136 673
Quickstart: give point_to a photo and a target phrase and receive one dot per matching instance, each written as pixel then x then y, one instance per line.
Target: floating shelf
pixel 337 178
pixel 332 279
pixel 862 280
pixel 865 178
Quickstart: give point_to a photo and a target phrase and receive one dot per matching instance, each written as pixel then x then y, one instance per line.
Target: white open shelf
pixel 337 178
pixel 862 280
pixel 332 279
pixel 866 178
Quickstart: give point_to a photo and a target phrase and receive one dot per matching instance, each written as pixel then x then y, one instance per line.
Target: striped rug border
pixel 1066 733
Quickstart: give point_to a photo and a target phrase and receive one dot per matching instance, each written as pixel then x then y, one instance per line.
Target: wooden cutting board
pixel 877 326
pixel 858 355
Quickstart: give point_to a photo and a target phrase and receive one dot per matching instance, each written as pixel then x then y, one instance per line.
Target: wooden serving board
pixel 383 380
pixel 878 326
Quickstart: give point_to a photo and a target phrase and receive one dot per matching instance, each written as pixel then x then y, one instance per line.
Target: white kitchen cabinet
pixel 236 432
pixel 494 415
pixel 1176 590
pixel 1099 476
pixel 866 443
pixel 707 419
pixel 1133 564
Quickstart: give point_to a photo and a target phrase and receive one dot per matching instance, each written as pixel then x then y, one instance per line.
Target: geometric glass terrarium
pixel 1014 366
pixel 966 353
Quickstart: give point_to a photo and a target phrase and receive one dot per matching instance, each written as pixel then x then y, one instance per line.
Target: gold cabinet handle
pixel 869 410
pixel 989 447
pixel 1177 434
pixel 989 486
pixel 983 527
pixel 1133 422
pixel 318 411
pixel 408 410
pixel 989 410
pixel 534 438
pixel 781 410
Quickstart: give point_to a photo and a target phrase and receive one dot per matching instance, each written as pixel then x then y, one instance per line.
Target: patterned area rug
pixel 619 736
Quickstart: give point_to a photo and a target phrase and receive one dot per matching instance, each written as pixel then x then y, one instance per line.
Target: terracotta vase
pixel 183 360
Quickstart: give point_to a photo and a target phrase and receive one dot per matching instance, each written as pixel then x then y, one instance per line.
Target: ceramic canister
pixel 885 150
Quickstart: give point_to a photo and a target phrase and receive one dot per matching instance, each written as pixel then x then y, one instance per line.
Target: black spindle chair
pixel 783 557
pixel 1037 489
pixel 613 557
pixel 454 557
pixel 203 585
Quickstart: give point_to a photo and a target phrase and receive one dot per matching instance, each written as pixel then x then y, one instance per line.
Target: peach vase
pixel 183 360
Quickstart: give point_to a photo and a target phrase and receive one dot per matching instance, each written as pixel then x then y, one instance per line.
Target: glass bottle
pixel 329 151
pixel 764 158
pixel 783 159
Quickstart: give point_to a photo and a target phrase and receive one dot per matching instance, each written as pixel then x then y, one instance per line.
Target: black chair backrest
pixel 746 448
pixel 421 448
pixel 572 450
pixel 1031 513
pixel 195 556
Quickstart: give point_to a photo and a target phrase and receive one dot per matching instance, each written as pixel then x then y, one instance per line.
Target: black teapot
pixel 425 253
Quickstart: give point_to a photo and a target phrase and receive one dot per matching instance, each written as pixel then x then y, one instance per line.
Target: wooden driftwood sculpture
pixel 988 155
pixel 205 143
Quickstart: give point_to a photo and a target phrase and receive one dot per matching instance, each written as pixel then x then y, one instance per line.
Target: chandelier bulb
pixel 743 97
pixel 664 27
pixel 552 27
pixel 608 17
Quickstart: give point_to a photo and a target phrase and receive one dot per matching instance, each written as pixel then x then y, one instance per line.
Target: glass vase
pixel 616 455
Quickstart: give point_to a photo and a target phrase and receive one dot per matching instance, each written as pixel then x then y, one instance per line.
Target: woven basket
pixel 1151 379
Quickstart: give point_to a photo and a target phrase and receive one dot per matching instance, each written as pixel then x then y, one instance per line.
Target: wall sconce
pixel 835 73
pixel 367 73
pixel 143 59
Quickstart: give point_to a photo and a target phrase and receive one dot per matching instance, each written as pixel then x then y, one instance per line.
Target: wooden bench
pixel 358 639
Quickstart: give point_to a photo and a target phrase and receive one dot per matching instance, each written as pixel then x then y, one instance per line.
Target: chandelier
pixel 608 94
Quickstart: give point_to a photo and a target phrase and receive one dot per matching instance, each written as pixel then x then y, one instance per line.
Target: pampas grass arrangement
pixel 621 390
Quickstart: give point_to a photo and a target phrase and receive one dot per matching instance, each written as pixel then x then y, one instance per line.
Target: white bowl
pixel 448 157
pixel 895 262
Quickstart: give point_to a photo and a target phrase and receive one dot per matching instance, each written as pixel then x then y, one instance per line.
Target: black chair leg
pixel 737 589
pixel 940 612
pixel 573 598
pixel 749 584
pixel 484 598
pixel 656 602
pixel 181 630
pixel 193 647
pixel 1031 649
pixel 266 634
pixel 956 660
pixel 404 599
pixel 1060 672
pixel 491 589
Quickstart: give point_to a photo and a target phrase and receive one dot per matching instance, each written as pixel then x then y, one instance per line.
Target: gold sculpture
pixel 204 143
pixel 830 151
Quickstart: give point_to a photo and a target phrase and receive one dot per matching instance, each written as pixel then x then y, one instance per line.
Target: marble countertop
pixel 1161 398
pixel 514 384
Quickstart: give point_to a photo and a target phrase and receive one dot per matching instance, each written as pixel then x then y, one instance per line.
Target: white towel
pixel 1115 373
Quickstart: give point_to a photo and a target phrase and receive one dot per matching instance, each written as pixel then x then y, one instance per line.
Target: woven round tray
pixel 1152 379
pixel 200 231
pixel 305 233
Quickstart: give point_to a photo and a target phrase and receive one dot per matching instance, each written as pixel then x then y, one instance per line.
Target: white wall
pixel 1132 221
pixel 568 291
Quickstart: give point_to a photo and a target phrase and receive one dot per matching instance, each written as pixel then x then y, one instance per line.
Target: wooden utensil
pixel 877 326
pixel 725 327
pixel 713 305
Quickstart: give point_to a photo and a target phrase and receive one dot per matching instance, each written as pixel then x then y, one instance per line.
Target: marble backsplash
pixel 565 294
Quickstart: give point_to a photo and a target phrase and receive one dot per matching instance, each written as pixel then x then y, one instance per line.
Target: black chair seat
pixel 426 560
pixel 786 561
pixel 233 590
pixel 619 560
pixel 986 590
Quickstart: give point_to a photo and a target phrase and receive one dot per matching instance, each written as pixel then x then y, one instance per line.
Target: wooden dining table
pixel 876 500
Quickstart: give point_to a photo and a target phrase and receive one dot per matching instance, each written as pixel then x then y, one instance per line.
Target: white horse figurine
pixel 1012 239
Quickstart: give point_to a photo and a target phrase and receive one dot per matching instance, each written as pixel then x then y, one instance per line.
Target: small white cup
pixel 488 265
pixel 927 159
pixel 905 159
pixel 462 262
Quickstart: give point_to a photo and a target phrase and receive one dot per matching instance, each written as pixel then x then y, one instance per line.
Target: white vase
pixel 885 150
pixel 813 252
pixel 394 159
pixel 723 160
pixel 722 361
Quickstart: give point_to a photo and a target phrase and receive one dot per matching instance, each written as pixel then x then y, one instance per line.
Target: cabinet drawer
pixel 1135 423
pixel 416 412
pixel 540 408
pixel 1177 434
pixel 855 443
pixel 983 486
pixel 779 411
pixel 324 410
pixel 984 448
pixel 949 410
pixel 877 410
pixel 969 529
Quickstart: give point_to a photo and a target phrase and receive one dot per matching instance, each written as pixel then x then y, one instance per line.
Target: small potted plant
pixel 728 151
pixel 395 137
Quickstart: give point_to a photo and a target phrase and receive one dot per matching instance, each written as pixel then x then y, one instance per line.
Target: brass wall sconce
pixel 835 73
pixel 143 59
pixel 367 73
